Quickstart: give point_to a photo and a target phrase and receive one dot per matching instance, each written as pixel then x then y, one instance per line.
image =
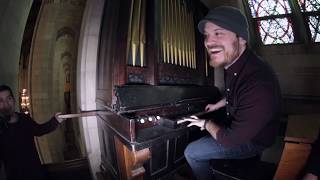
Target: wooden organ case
pixel 152 70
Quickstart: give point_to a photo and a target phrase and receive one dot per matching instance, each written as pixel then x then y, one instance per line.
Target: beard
pixel 6 113
pixel 5 117
pixel 228 55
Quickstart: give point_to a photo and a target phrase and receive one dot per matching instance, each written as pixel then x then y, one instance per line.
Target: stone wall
pixel 53 62
pixel 13 17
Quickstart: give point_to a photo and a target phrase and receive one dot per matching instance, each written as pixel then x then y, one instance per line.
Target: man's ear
pixel 242 41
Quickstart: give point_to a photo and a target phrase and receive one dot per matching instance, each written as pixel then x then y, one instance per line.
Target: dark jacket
pixel 18 150
pixel 253 103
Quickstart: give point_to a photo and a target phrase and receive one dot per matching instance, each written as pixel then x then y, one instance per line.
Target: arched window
pixel 280 21
pixel 310 10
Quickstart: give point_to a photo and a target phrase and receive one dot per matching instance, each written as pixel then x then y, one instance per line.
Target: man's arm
pixel 44 128
pixel 212 128
pixel 216 106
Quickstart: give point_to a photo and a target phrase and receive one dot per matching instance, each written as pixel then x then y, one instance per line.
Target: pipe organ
pixel 152 71
pixel 177 38
pixel 137 33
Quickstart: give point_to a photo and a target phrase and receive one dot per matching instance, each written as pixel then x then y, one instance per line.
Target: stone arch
pixel 65 32
pixel 86 69
pixel 66 54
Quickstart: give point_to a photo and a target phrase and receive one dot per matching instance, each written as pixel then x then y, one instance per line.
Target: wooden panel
pixel 160 157
pixel 137 75
pixel 130 162
pixel 293 160
pixel 295 105
pixel 303 126
pixel 120 125
pixel 106 52
pixel 120 46
pixel 181 143
pixel 107 147
pixel 111 67
pixel 302 131
pixel 173 74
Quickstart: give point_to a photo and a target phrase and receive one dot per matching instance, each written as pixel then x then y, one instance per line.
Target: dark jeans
pixel 200 152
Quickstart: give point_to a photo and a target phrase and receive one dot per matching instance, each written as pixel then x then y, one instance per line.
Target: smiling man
pixel 252 95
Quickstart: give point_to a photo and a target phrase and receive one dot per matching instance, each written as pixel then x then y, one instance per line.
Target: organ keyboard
pixel 145 118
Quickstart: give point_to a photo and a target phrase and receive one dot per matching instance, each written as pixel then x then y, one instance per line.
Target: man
pixel 252 95
pixel 17 147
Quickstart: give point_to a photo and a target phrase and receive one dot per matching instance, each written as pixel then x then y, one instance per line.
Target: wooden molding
pixel 130 163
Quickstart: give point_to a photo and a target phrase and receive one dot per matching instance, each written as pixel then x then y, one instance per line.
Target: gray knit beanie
pixel 229 18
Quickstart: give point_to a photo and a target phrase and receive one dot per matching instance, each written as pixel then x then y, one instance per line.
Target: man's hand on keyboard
pixel 194 121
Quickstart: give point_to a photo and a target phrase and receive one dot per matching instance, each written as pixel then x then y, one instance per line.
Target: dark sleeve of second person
pixel 44 128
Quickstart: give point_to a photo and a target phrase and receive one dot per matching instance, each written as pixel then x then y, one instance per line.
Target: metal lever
pixel 85 114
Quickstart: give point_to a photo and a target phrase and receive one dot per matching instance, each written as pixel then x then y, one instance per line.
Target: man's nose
pixel 209 45
pixel 210 41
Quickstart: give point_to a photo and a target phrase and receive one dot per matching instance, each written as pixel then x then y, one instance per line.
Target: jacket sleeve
pixel 41 129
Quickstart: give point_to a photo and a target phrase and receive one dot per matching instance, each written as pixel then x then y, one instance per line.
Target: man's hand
pixel 211 107
pixel 194 121
pixel 216 106
pixel 310 176
pixel 58 118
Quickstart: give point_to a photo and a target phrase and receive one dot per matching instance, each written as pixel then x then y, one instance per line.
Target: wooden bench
pixel 302 131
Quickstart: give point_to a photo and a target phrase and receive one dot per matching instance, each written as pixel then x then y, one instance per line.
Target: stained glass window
pixel 268 7
pixel 273 18
pixel 314 25
pixel 276 31
pixel 309 5
pixel 310 9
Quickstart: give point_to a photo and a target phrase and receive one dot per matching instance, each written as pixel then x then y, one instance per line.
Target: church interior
pixel 125 62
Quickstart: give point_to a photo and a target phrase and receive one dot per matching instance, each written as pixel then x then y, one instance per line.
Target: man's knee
pixel 192 150
pixel 187 152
